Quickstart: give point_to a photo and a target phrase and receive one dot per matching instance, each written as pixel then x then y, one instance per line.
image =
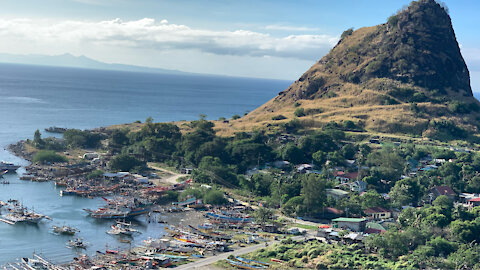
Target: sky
pixel 277 39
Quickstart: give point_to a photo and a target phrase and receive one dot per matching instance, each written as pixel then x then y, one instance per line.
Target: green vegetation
pixel 346 33
pixel 210 196
pixel 278 117
pixel 299 112
pixel 48 156
pixel 126 163
pixel 82 138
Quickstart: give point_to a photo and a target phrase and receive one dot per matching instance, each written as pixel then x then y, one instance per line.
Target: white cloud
pixel 279 27
pixel 148 34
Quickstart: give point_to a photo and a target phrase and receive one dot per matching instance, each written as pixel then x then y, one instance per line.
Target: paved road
pixel 204 263
pixel 207 261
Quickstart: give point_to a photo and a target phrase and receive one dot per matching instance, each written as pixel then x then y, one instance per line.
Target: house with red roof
pixel 474 202
pixel 344 177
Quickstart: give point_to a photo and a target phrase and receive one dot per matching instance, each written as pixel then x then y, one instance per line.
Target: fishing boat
pixel 120 209
pixel 65 230
pixel 247 261
pixel 16 212
pixel 77 243
pixel 61 183
pixel 29 263
pixel 9 167
pixel 122 228
pixel 228 218
pixel 55 129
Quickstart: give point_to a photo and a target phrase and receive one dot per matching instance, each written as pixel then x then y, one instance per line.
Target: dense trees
pixel 48 156
pixel 125 163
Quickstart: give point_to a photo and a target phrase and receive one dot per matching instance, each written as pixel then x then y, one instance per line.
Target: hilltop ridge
pixel 406 75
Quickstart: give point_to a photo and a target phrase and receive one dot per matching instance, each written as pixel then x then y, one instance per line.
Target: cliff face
pixel 392 77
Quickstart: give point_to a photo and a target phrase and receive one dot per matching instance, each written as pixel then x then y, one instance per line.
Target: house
pixel 474 202
pixel 466 197
pixel 280 164
pixel 358 186
pixel 90 156
pixel 354 224
pixel 353 237
pixel 375 213
pixel 186 170
pixel 343 177
pixel 304 168
pixel 373 227
pixel 337 194
pixel 442 190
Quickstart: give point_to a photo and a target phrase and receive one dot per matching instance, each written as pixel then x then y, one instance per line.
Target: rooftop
pixel 378 209
pixel 349 220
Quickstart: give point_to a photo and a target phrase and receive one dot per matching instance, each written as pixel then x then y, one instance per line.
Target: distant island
pixel 69 60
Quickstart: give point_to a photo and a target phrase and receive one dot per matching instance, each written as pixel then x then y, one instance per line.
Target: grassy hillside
pixel 404 76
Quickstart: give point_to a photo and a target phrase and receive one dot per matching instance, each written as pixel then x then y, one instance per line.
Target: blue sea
pixel 33 97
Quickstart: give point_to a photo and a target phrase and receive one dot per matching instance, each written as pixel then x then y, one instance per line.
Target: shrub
pixel 458 107
pixel 46 156
pixel 331 94
pixel 125 163
pixel 215 197
pixel 95 174
pixel 393 20
pixel 299 112
pixel 278 117
pixel 235 117
pixel 346 33
pixel 297 104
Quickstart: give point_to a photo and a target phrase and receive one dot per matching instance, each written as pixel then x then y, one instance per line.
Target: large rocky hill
pixel 404 76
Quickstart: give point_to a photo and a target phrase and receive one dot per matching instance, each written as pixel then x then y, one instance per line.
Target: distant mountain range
pixel 68 60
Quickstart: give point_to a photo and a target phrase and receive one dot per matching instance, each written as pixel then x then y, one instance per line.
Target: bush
pixel 235 117
pixel 95 174
pixel 346 33
pixel 278 117
pixel 215 197
pixel 125 163
pixel 299 112
pixel 46 156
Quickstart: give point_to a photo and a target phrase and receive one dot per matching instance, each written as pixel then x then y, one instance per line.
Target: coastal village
pixel 369 160
pixel 229 228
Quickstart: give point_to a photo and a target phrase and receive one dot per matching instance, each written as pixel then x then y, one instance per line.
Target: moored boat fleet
pixel 124 202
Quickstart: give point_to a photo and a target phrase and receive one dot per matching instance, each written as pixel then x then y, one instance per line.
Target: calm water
pixel 38 97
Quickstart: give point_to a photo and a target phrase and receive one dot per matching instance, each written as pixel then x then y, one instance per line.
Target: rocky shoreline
pixel 18 149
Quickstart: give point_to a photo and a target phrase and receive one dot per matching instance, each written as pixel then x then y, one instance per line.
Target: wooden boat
pixel 65 230
pixel 242 265
pixel 77 243
pixel 247 261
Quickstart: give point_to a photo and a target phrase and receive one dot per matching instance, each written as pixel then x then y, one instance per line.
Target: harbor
pixel 124 226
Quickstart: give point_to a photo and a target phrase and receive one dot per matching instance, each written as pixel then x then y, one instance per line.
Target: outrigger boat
pixel 9 167
pixel 122 228
pixel 242 265
pixel 65 230
pixel 77 243
pixel 120 209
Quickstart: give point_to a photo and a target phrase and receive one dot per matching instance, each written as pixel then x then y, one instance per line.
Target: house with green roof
pixel 354 224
